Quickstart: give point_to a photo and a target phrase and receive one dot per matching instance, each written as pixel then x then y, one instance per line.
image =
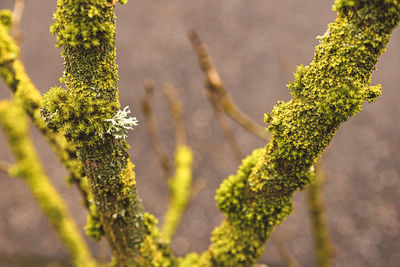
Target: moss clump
pixel 78 24
pixel 6 18
pixel 154 252
pixel 8 48
pixel 86 31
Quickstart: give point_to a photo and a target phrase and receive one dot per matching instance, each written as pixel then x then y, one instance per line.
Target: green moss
pixel 8 49
pixel 154 252
pixel 6 18
pixel 179 191
pixel 93 227
pixel 189 260
pixel 78 24
pixel 86 31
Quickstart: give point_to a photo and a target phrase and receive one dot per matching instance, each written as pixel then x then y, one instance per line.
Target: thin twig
pixel 16 33
pixel 198 185
pixel 151 128
pixel 284 252
pixel 213 86
pixel 216 87
pixel 224 124
pixel 5 166
pixel 175 106
pixel 319 227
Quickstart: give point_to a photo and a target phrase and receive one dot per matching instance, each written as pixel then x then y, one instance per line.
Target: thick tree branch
pixel 89 115
pixel 325 94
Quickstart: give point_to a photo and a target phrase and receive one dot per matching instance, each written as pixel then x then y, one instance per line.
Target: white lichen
pixel 119 125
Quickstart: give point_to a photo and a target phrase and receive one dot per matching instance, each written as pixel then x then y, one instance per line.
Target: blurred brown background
pixel 255 46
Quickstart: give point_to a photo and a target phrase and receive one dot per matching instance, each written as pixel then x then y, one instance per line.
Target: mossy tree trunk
pixel 86 32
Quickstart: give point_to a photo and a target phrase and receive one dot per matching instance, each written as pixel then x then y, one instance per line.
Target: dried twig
pixel 175 106
pixel 214 92
pixel 5 166
pixel 284 252
pixel 319 227
pixel 216 87
pixel 16 33
pixel 147 109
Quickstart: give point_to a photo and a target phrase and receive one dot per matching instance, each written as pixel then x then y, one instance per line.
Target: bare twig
pixel 151 128
pixel 284 252
pixel 175 106
pixel 5 166
pixel 217 88
pixel 319 227
pixel 198 185
pixel 16 33
pixel 224 124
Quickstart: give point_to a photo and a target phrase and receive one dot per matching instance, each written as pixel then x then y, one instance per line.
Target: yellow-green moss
pixel 29 168
pixel 6 18
pixel 86 32
pixel 8 49
pixel 154 252
pixel 128 176
pixel 325 94
pixel 179 191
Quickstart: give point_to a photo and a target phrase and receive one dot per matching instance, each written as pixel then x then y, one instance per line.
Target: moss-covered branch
pixel 325 94
pixel 29 169
pixel 28 97
pixel 180 185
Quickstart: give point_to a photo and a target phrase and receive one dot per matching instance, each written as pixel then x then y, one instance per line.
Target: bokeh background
pixel 255 45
